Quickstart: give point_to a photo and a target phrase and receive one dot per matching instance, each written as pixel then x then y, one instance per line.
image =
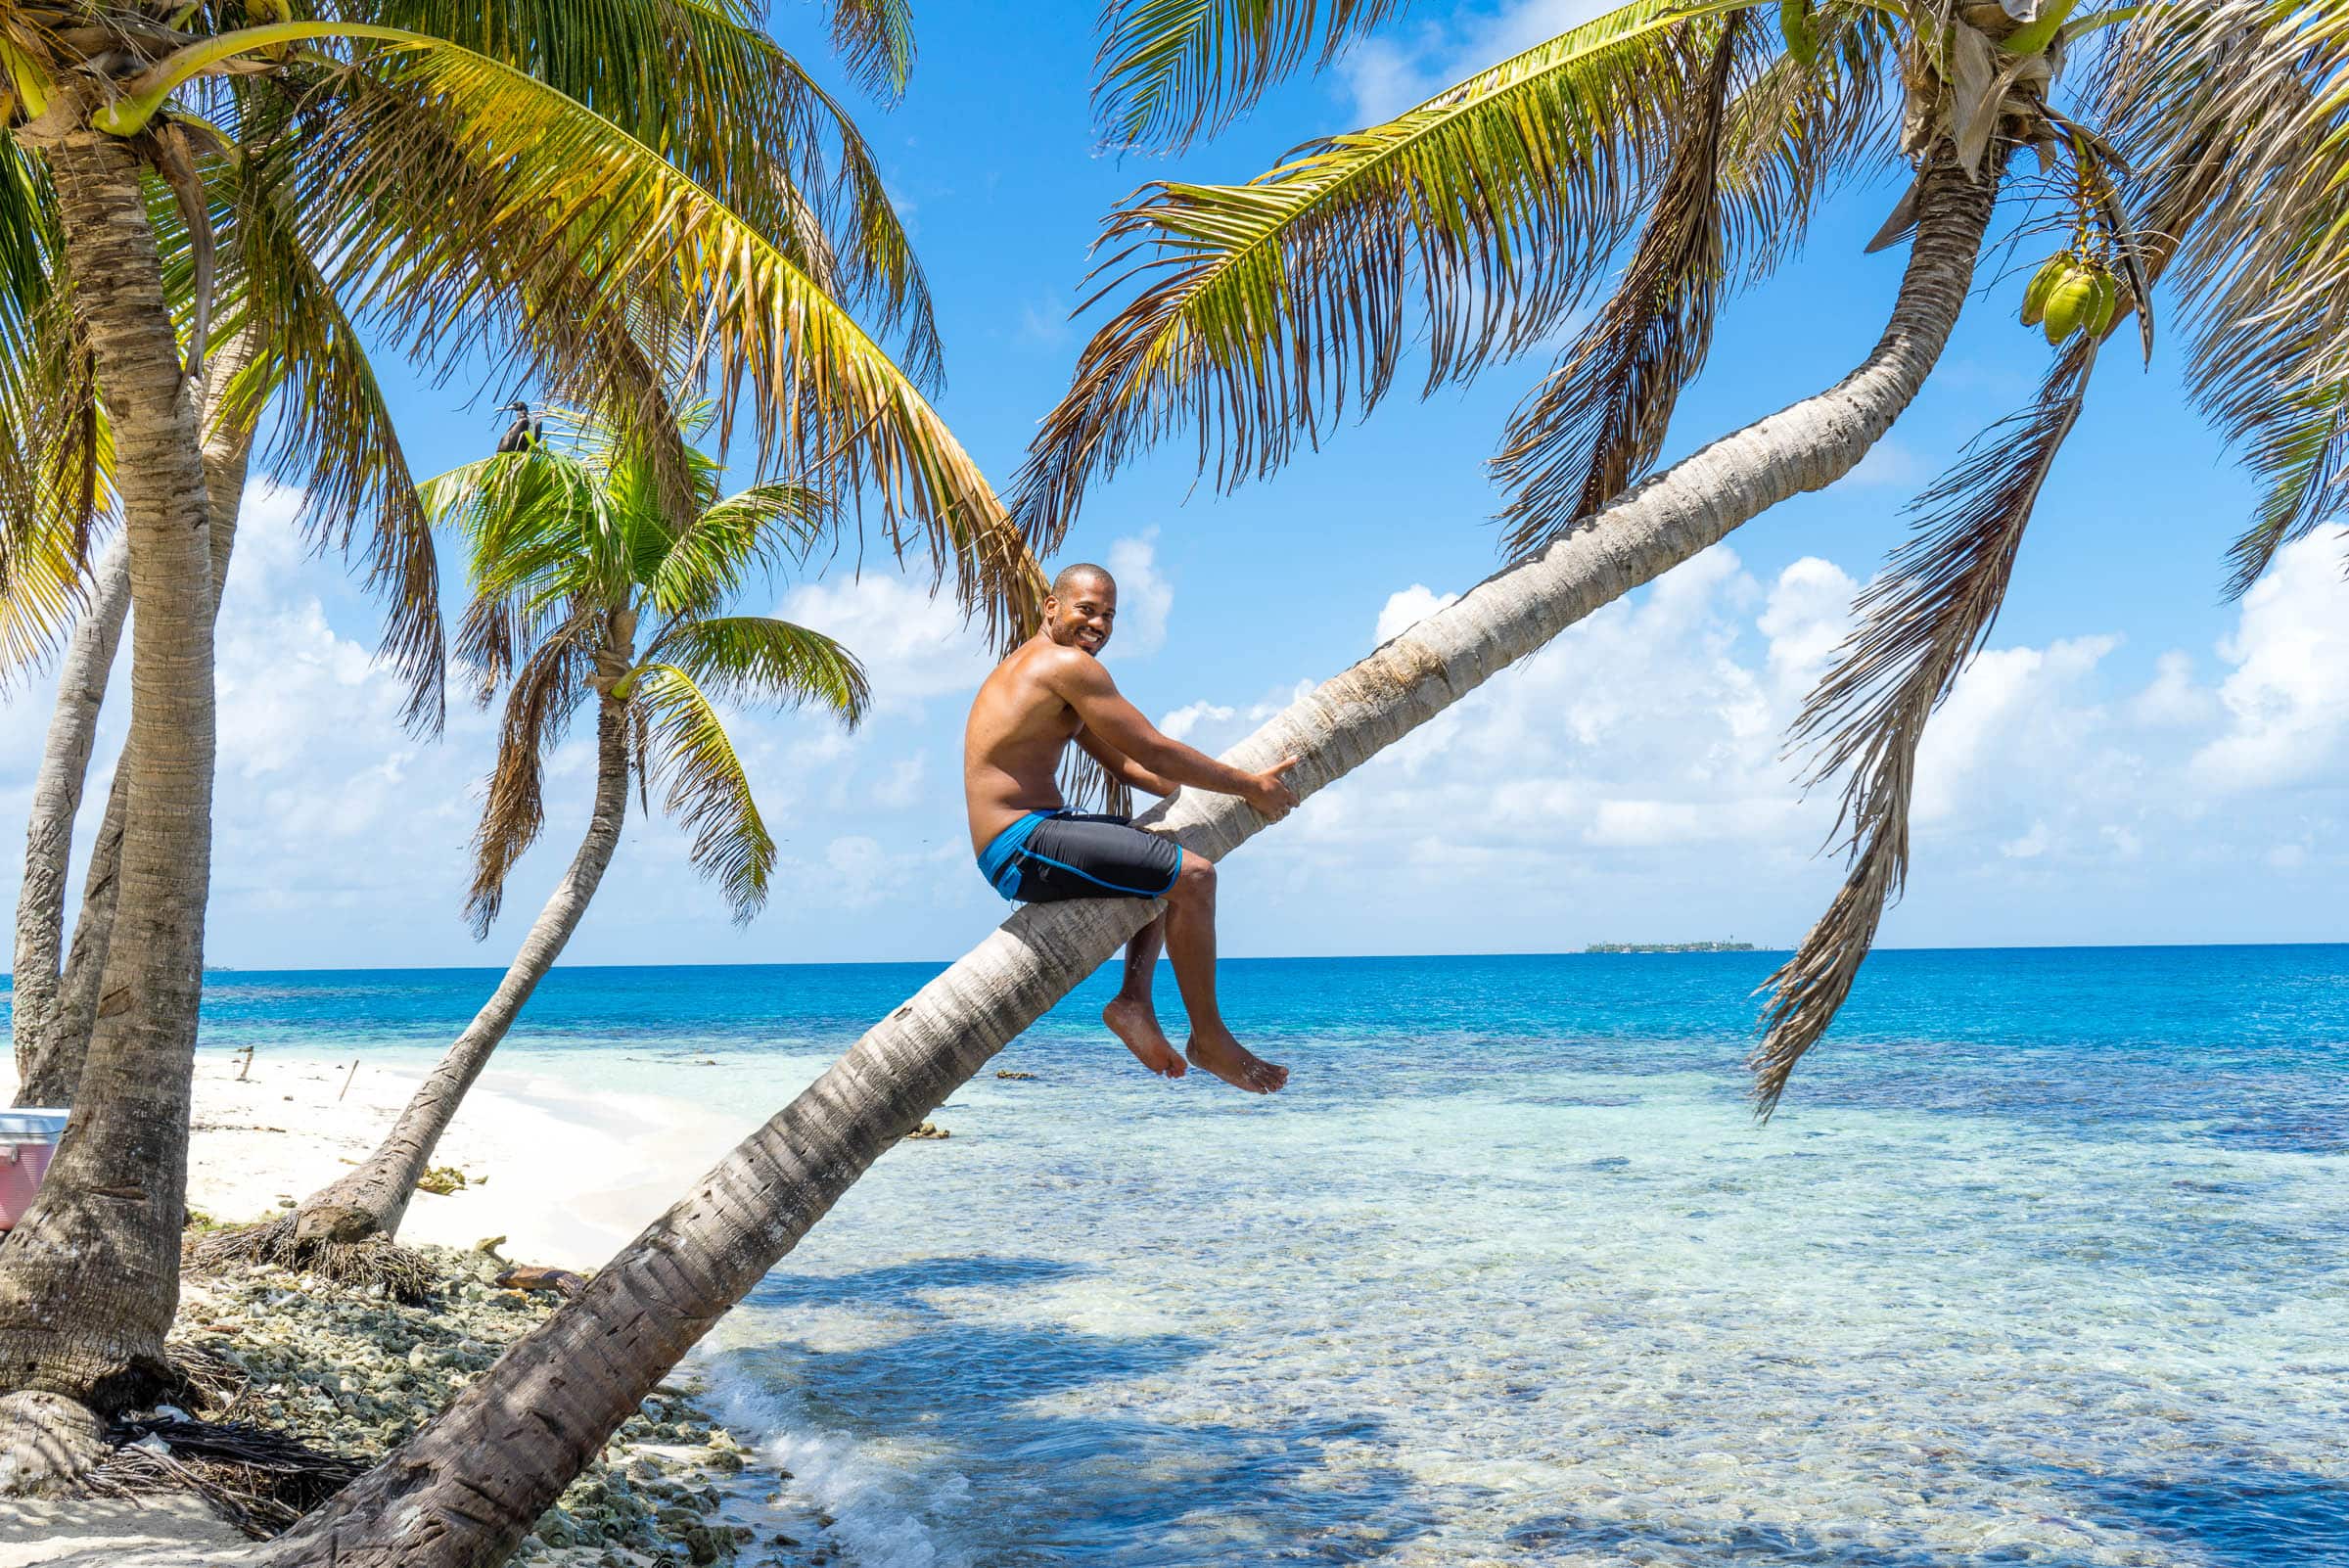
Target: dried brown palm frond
pixel 2232 112
pixel 1600 417
pixel 1766 134
pixel 1801 127
pixel 1920 624
pixel 261 1482
pixel 1262 311
pixel 875 38
pixel 1169 70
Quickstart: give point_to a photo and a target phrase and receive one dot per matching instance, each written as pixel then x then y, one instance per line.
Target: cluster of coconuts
pixel 2072 292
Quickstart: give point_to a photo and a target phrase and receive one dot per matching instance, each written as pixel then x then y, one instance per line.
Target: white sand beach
pixel 566 1175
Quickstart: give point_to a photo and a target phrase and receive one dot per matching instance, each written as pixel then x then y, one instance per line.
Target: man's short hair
pixel 1080 571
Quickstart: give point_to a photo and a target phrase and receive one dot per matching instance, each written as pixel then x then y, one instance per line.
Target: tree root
pixel 406 1276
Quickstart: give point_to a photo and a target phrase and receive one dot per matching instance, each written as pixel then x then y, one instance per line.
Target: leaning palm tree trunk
pixel 89 1279
pixel 469 1486
pixel 372 1199
pixel 49 834
pixel 55 1011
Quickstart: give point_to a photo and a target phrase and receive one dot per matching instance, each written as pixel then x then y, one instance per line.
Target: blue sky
pixel 2136 760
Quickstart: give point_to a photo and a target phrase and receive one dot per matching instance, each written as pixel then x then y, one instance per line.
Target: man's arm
pixel 1080 680
pixel 1123 768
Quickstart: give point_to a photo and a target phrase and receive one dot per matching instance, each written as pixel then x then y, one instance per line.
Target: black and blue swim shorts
pixel 1046 857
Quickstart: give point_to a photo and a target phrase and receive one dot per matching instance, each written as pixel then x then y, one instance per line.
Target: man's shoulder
pixel 1048 661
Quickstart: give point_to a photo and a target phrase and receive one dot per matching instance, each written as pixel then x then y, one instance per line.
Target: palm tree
pixel 649 192
pixel 464 1488
pixel 583 586
pixel 1698 136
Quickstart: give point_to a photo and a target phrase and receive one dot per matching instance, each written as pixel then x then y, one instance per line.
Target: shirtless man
pixel 1052 690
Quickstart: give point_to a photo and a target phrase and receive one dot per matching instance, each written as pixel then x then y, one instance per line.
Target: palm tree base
pixel 404 1274
pixel 47 1442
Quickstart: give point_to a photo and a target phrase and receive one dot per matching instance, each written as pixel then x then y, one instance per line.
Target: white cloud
pixel 2030 847
pixel 1178 725
pixel 1405 610
pixel 1889 463
pixel 1044 323
pixel 2286 701
pixel 903 786
pixel 1387 74
pixel 916 644
pixel 1640 764
pixel 1145 598
pixel 1806 617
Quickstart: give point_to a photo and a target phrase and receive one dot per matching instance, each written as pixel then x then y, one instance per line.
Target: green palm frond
pixel 1262 309
pixel 56 448
pixel 1920 624
pixel 758 659
pixel 747 535
pixel 460 193
pixel 1170 69
pixel 709 793
pixel 739 115
pixel 548 687
pixel 2233 113
pixel 540 530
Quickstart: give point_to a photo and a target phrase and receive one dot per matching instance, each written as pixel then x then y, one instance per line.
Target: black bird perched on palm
pixel 523 433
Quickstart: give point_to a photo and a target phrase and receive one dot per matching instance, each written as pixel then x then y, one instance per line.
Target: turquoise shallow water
pixel 2047 1261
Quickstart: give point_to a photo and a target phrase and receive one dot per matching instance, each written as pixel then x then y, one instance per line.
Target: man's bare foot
pixel 1236 1063
pixel 1138 1026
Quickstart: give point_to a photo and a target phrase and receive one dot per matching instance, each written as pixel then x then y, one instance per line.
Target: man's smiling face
pixel 1082 614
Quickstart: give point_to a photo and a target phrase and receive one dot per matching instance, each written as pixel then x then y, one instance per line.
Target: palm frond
pixel 751 534
pixel 740 115
pixel 540 529
pixel 1599 419
pixel 333 437
pixel 469 196
pixel 875 38
pixel 1920 624
pixel 758 659
pixel 1262 309
pixel 56 447
pixel 1169 70
pixel 546 693
pixel 1800 129
pixel 2235 111
pixel 709 793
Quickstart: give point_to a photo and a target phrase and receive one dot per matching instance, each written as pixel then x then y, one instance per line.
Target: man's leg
pixel 1191 921
pixel 1132 1015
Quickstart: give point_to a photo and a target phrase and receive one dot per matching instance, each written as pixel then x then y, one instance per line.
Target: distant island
pixel 1669 946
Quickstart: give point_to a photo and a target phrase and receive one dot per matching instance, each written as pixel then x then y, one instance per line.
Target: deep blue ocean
pixel 2044 1259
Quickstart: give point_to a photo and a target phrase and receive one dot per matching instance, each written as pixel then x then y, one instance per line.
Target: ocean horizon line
pixel 1759 949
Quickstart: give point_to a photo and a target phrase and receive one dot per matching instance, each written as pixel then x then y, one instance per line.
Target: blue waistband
pixel 995 859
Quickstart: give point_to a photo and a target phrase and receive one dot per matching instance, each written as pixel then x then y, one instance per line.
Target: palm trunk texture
pixel 373 1199
pixel 466 1489
pixel 89 1279
pixel 54 1012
